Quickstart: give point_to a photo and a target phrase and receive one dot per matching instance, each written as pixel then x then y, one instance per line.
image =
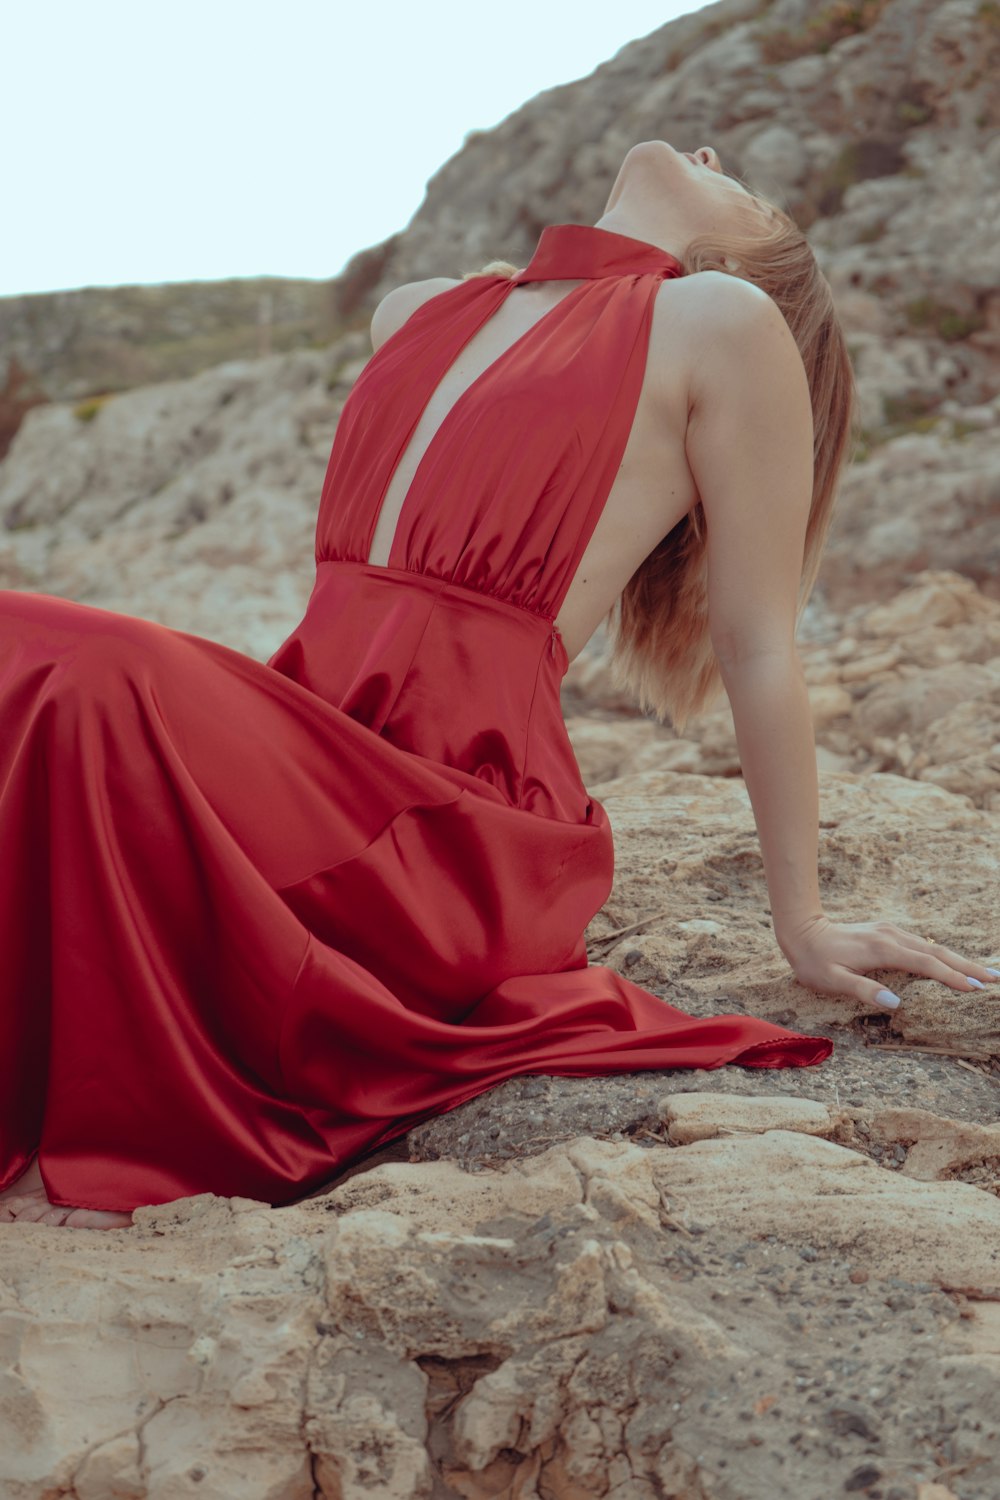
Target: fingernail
pixel 977 982
pixel 887 998
pixel 993 973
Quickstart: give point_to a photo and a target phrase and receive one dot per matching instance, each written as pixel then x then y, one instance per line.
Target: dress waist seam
pixel 434 580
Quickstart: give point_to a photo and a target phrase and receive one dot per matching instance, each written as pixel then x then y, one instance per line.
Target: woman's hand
pixel 833 957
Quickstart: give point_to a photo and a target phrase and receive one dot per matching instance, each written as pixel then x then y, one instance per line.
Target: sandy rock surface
pixel 738 1315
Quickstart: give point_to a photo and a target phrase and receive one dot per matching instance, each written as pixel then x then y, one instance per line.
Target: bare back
pixel 653 488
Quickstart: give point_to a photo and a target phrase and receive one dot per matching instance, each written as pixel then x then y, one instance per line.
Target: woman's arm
pixel 749 445
pixel 778 758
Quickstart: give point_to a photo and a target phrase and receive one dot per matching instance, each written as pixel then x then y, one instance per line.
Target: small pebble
pixel 862 1478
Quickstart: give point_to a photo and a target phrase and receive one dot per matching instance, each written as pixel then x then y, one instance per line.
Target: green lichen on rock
pixel 88 409
pixel 949 323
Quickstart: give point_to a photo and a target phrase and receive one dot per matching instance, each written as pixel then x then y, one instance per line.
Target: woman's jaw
pixel 670 198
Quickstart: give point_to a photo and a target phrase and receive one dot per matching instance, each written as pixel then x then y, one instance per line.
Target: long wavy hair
pixel 661 646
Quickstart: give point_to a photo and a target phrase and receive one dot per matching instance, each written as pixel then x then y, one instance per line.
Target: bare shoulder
pixel 715 319
pixel 718 299
pixel 399 304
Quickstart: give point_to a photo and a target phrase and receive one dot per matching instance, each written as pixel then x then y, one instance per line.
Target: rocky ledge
pixel 749 1297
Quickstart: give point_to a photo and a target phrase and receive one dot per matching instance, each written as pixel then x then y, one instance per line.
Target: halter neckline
pixel 584 252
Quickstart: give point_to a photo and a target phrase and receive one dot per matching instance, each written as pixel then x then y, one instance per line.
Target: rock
pixel 913 689
pixel 828 702
pixel 872 664
pixel 192 503
pixel 606 749
pixel 589 684
pixel 882 839
pixel 921 498
pixel 698 1117
pixel 862 1478
pixel 909 705
pixel 113 1469
pixel 366 1425
pixel 969 1022
pixel 461 1201
pixel 462 1334
pixel 937 1147
pixel 106 339
pixel 197 1354
pixel 776 159
pixel 721 1178
pixel 960 750
pixel 940 599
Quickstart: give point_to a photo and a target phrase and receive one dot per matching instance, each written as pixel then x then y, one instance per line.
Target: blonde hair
pixel 493 268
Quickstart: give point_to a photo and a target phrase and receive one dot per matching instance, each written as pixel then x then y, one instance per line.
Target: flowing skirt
pixel 247 939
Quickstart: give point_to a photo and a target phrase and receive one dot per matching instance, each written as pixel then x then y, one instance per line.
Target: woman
pixel 258 920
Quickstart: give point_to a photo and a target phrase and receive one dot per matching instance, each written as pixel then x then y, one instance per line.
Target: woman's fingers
pixel 839 957
pixel 923 957
pixel 868 991
pixel 929 967
pixel 962 969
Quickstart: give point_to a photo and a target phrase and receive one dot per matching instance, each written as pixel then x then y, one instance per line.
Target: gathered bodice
pixel 506 496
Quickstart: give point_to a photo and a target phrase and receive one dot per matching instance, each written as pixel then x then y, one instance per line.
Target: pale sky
pixel 201 139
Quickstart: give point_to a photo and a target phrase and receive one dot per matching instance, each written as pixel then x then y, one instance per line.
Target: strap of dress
pixel 603 388
pixel 384 406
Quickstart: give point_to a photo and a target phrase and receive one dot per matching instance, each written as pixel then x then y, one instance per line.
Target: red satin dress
pixel 258 919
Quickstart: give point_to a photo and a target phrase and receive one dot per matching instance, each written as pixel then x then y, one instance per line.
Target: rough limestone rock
pixel 700 1117
pixel 736 1316
pixel 689 915
pixel 107 338
pixel 940 1148
pixel 923 499
pixel 192 502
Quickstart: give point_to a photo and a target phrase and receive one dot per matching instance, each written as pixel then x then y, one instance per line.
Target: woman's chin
pixel 655 164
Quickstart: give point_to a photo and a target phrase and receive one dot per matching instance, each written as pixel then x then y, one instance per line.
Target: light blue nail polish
pixel 993 973
pixel 887 999
pixel 977 982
